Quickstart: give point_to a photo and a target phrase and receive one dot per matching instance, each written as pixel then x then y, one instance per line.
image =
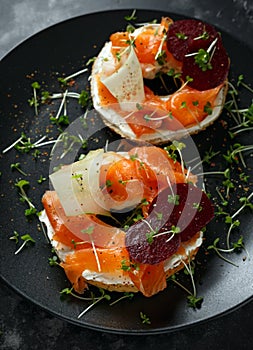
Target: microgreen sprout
pixel 240 81
pixel 193 300
pixel 203 57
pixel 232 224
pixel 126 295
pixel 174 230
pixel 175 149
pixel 84 98
pixel 237 149
pixel 102 297
pixel 91 61
pixel 175 75
pixel 203 36
pixel 61 120
pixel 34 100
pixel 69 141
pixel 27 239
pixel 125 49
pixel 15 237
pixel 61 105
pixel 190 271
pixel 208 156
pixel 53 261
pixel 89 231
pixel 152 116
pixel 16 166
pixel 24 198
pixel 69 291
pixel 181 35
pixel 173 199
pixel 74 75
pixel 225 173
pixel 129 265
pixel 245 203
pixel 224 201
pixel 41 179
pixel 161 55
pixel 131 17
pixel 219 251
pixel 236 115
pixel 144 318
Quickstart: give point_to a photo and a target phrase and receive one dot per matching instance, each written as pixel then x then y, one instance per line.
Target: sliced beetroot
pixel 175 215
pixel 204 78
pixel 191 210
pixel 187 32
pixel 151 247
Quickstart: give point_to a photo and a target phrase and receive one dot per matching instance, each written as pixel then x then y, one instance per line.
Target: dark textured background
pixel 24 325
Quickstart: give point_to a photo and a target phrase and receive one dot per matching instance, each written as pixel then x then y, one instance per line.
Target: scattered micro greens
pixel 25 145
pixel 16 166
pixel 125 295
pixel 219 251
pixel 64 80
pixel 15 237
pixel 193 300
pixel 128 265
pixel 97 300
pixel 181 35
pixel 24 198
pixel 27 239
pixel 131 17
pixel 53 261
pixel 69 291
pixel 144 318
pixel 34 100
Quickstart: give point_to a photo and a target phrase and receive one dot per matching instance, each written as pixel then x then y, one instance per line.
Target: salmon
pixel 148 44
pixel 122 180
pixel 164 167
pixel 79 232
pixel 183 108
pixel 107 257
pixel 149 279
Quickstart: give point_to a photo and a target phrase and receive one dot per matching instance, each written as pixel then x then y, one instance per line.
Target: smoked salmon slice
pixel 107 259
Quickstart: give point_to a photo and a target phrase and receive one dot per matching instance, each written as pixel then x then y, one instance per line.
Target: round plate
pixel 61 50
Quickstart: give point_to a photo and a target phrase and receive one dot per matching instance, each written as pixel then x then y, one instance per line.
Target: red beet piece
pixel 149 243
pixel 205 78
pixel 187 32
pixel 188 208
pixel 183 209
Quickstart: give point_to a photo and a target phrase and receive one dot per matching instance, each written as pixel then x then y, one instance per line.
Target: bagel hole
pixel 122 219
pixel 163 84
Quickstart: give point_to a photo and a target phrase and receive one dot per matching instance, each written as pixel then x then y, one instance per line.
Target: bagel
pixel 138 257
pixel 129 60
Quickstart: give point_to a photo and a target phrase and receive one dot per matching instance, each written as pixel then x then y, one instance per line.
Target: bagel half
pixel 114 120
pixel 125 259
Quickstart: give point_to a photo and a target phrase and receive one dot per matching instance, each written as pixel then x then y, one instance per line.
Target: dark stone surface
pixel 26 326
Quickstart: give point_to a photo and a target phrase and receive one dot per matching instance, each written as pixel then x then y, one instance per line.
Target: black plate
pixel 64 49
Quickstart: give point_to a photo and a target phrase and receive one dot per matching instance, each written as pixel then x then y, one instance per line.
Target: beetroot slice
pixel 184 207
pixel 144 249
pixel 210 78
pixel 192 211
pixel 183 33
